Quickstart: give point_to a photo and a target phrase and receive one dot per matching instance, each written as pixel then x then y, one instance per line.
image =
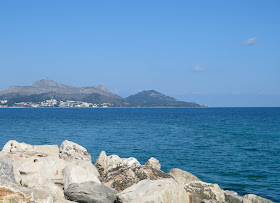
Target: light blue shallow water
pixel 238 148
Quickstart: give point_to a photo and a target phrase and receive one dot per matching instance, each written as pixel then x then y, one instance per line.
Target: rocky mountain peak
pixel 46 82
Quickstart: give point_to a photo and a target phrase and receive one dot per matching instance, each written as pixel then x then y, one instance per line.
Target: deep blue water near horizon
pixel 237 148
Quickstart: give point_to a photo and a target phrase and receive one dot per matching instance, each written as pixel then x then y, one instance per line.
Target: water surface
pixel 237 148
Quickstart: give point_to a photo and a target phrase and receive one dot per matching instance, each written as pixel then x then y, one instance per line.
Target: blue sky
pixel 219 53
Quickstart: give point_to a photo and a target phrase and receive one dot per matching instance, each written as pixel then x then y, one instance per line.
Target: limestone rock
pixel 90 192
pixel 87 166
pixel 164 191
pixel 35 171
pixel 6 170
pixel 154 163
pixel 101 163
pixel 232 197
pixel 113 160
pixel 55 190
pixel 183 177
pixel 211 201
pixel 204 191
pixel 71 151
pixel 14 146
pixel 10 192
pixel 250 198
pixel 122 178
pixel 77 174
pixel 124 163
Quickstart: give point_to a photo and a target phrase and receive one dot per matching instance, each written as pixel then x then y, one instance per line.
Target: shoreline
pixel 64 173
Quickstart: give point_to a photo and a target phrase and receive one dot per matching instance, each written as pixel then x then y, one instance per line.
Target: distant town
pixel 54 103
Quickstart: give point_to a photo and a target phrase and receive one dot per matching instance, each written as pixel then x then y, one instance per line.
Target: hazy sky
pixel 219 53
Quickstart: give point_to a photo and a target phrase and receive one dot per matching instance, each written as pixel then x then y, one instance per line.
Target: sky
pixel 218 53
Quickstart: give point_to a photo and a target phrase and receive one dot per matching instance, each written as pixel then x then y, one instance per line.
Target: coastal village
pixel 54 103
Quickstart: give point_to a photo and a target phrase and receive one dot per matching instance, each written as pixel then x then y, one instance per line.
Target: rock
pixel 18 155
pixel 10 192
pixel 250 198
pixel 101 163
pixel 77 174
pixel 113 159
pixel 35 171
pixel 164 191
pixel 14 146
pixel 55 190
pixel 232 197
pixel 90 192
pixel 6 170
pixel 124 163
pixel 183 177
pixel 204 191
pixel 122 178
pixel 154 163
pixel 87 166
pixel 71 151
pixel 210 201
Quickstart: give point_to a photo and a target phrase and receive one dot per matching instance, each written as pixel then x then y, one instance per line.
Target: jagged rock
pixel 71 151
pixel 90 192
pixel 164 191
pixel 154 163
pixel 35 171
pixel 101 163
pixel 113 160
pixel 124 163
pixel 77 174
pixel 122 178
pixel 6 170
pixel 183 177
pixel 204 191
pixel 232 197
pixel 10 192
pixel 250 198
pixel 14 146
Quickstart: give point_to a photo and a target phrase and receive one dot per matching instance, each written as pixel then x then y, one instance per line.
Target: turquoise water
pixel 238 148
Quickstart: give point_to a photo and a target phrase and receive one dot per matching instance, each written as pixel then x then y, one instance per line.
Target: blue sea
pixel 237 148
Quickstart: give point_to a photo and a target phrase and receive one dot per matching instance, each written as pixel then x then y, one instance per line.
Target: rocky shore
pixel 47 173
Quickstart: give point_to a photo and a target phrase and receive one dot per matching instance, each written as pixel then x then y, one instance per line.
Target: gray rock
pixel 6 170
pixel 232 197
pixel 90 192
pixel 250 198
pixel 71 151
pixel 77 174
pixel 153 162
pixel 204 191
pixel 183 177
pixel 122 178
pixel 154 191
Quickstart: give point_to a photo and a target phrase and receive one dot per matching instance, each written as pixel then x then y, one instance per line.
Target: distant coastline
pixel 47 93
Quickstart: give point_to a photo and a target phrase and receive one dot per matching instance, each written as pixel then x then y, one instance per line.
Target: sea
pixel 237 148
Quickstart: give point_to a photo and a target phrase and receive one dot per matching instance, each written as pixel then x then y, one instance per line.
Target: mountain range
pixel 47 89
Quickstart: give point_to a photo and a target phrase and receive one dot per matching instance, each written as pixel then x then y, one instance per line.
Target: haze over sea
pixel 237 148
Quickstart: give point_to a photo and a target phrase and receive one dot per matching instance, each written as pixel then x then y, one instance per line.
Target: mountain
pixel 152 98
pixel 46 89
